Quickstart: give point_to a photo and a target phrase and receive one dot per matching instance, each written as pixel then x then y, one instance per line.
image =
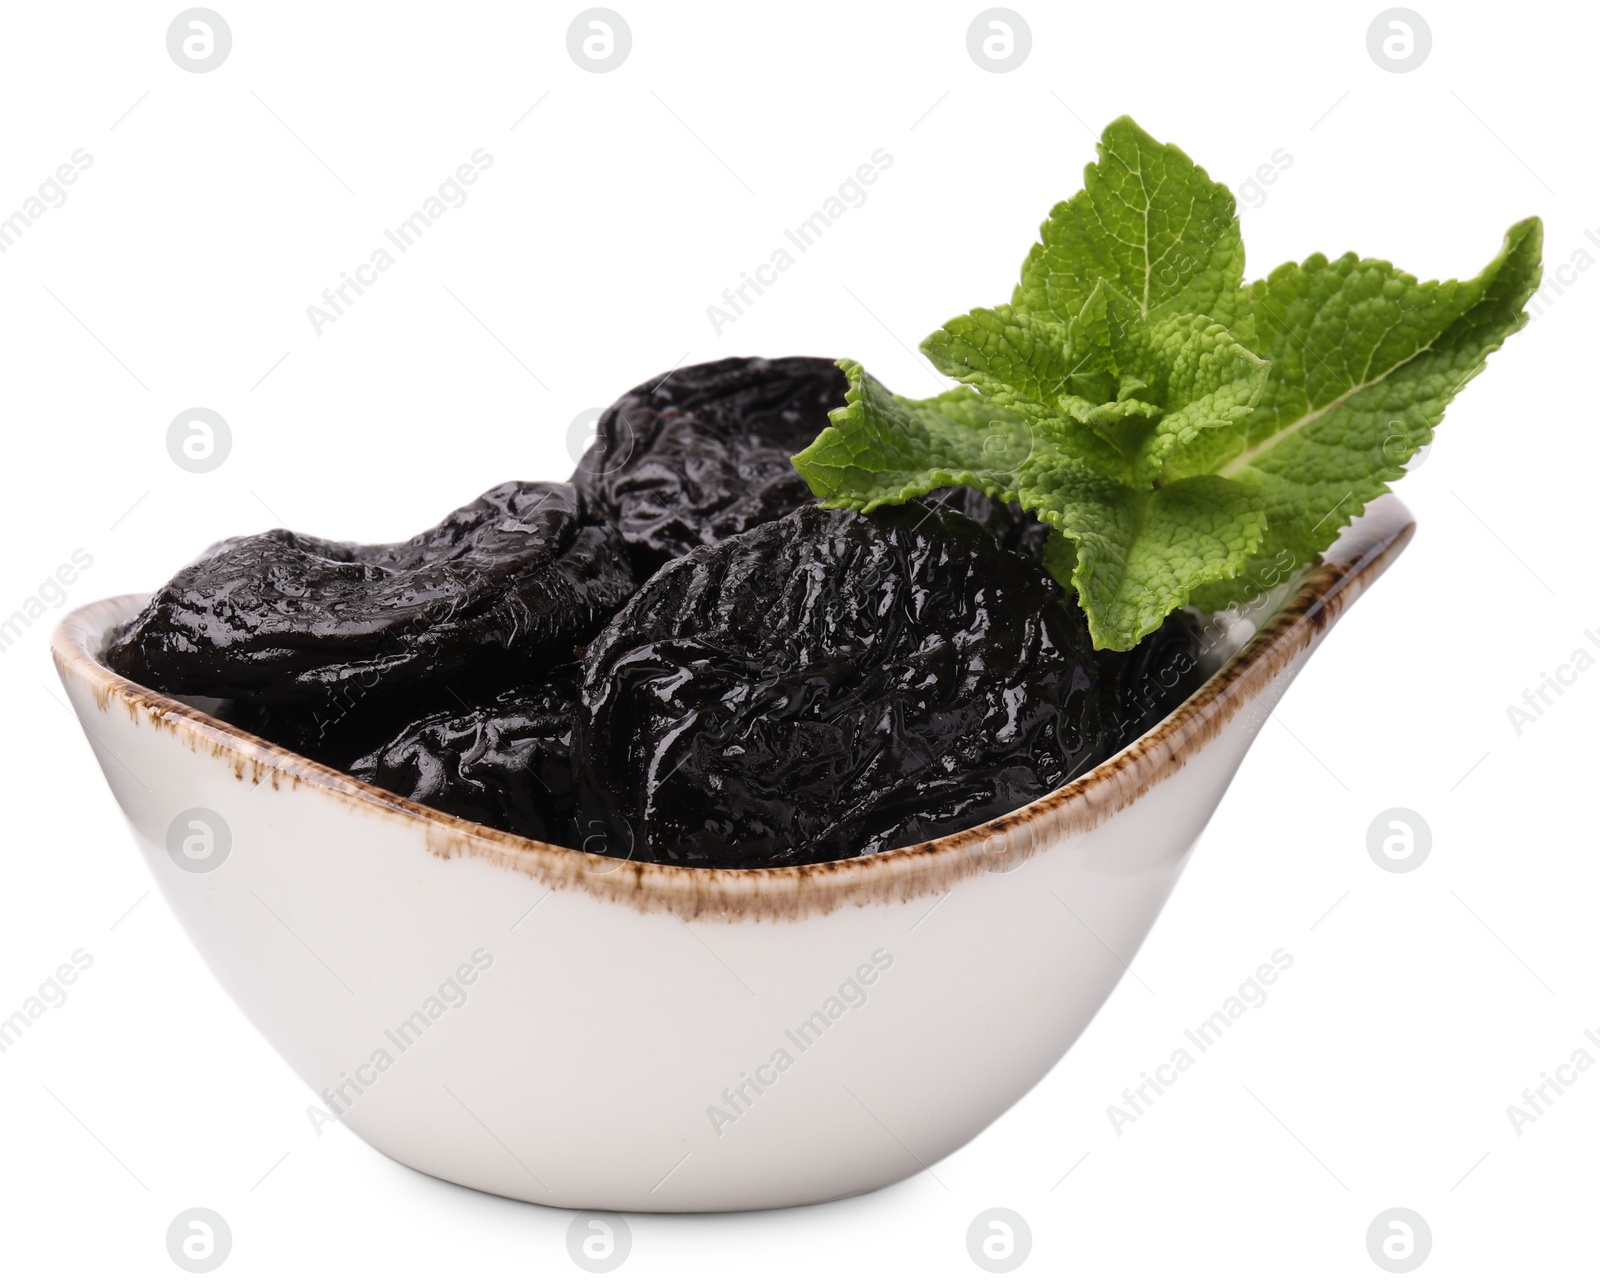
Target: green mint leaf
pixel 1027 364
pixel 1188 438
pixel 1152 391
pixel 1134 556
pixel 1207 384
pixel 1365 359
pixel 881 448
pixel 1001 351
pixel 1150 221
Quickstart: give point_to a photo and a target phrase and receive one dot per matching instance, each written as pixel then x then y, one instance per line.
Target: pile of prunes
pixel 676 656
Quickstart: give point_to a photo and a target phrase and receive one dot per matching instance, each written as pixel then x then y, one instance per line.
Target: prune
pixel 704 453
pixel 506 763
pixel 1146 683
pixel 511 581
pixel 832 684
pixel 334 731
pixel 1013 528
pixel 791 686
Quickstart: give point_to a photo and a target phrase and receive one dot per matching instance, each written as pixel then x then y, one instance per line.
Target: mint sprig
pixel 1178 429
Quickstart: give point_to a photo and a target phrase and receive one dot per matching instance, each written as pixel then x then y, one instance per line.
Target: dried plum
pixel 791 686
pixel 1010 524
pixel 506 763
pixel 1147 682
pixel 704 453
pixel 513 579
pixel 832 684
pixel 334 731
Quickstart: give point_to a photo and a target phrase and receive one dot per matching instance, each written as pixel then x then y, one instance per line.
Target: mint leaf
pixel 1206 383
pixel 1134 556
pixel 1151 391
pixel 1138 552
pixel 1188 438
pixel 1365 358
pixel 1004 352
pixel 882 448
pixel 1149 220
pixel 1027 365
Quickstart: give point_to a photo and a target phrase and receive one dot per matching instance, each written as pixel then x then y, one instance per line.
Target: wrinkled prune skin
pixel 833 684
pixel 1150 680
pixel 800 686
pixel 1011 526
pixel 332 733
pixel 704 453
pixel 513 579
pixel 506 764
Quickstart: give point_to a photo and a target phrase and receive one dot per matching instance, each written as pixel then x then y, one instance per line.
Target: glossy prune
pixel 832 684
pixel 1011 526
pixel 506 764
pixel 512 580
pixel 1147 682
pixel 704 453
pixel 332 731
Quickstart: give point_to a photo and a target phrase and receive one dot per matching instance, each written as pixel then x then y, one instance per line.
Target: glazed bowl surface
pixel 588 1031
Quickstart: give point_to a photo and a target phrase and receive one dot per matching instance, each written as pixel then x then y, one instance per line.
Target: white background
pixel 219 206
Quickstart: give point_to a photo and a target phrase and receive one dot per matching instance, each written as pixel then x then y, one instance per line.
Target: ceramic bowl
pixel 583 1031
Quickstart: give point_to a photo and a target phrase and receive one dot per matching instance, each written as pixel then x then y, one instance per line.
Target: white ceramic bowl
pixel 584 1032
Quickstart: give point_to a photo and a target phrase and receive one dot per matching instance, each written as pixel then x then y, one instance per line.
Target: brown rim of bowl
pixel 1365 549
